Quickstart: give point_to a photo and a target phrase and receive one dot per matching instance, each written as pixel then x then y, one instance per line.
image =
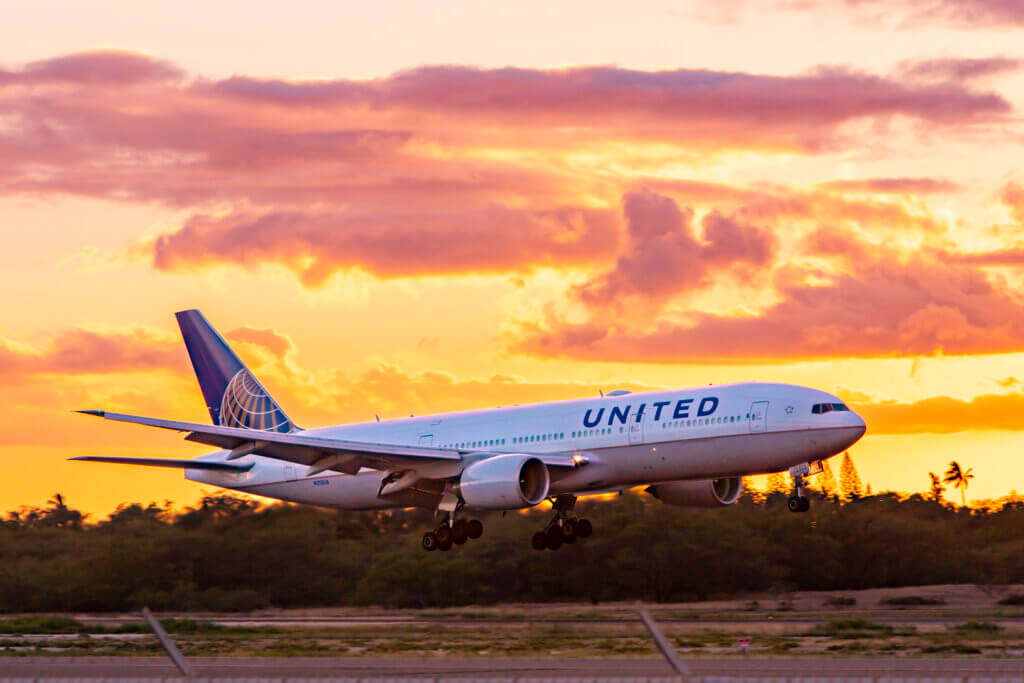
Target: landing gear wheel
pixel 584 528
pixel 429 541
pixel 460 532
pixel 539 541
pixel 798 504
pixel 554 538
pixel 444 546
pixel 569 528
pixel 475 528
pixel 444 536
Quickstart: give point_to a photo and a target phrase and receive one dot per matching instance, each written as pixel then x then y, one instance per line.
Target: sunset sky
pixel 412 207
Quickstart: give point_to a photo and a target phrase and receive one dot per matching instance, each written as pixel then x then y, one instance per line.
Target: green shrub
pixel 852 627
pixel 1012 599
pixel 911 601
pixel 42 625
pixel 840 601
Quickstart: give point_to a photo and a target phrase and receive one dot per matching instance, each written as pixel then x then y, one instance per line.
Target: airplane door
pixel 290 473
pixel 636 432
pixel 426 439
pixel 758 416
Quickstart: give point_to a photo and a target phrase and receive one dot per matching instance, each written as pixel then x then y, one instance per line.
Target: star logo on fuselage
pixel 789 410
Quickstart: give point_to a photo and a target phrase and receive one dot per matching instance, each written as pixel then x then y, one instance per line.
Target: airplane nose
pixel 860 424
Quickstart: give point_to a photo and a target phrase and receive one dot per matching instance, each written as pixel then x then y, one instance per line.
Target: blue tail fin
pixel 233 396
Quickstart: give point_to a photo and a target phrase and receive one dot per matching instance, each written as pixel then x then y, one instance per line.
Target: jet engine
pixel 505 482
pixel 698 493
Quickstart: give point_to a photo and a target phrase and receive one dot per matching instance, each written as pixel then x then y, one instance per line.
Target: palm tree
pixel 937 487
pixel 959 479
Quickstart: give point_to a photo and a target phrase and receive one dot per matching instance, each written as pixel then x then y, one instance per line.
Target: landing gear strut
pixel 450 533
pixel 564 528
pixel 798 502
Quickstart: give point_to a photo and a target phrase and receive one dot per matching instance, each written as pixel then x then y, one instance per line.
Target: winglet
pixel 97 413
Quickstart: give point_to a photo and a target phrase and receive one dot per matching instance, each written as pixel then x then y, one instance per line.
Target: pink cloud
pixel 686 104
pixel 878 302
pixel 386 175
pixel 958 69
pixel 664 256
pixel 962 13
pixel 894 185
pixel 93 68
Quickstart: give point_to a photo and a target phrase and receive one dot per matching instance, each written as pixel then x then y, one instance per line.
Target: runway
pixel 434 669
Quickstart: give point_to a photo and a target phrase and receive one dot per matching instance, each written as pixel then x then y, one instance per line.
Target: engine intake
pixel 505 482
pixel 698 493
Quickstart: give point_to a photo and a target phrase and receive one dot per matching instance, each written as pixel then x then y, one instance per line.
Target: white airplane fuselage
pixel 621 441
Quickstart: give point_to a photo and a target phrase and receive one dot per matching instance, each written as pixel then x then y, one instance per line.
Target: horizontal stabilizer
pixel 165 462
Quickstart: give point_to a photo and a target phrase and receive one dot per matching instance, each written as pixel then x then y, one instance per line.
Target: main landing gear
pixel 452 533
pixel 564 528
pixel 798 502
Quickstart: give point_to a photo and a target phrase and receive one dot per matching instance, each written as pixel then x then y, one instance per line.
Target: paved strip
pixel 675 624
pixel 444 667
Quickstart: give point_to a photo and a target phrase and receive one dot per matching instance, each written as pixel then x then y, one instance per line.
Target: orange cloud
pixel 271 340
pixel 945 415
pixel 81 352
pixel 316 244
pixel 1012 196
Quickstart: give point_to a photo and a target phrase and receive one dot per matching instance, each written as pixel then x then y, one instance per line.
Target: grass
pixel 977 627
pixel 853 631
pixel 45 624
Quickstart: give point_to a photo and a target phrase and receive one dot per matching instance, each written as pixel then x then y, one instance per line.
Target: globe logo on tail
pixel 246 404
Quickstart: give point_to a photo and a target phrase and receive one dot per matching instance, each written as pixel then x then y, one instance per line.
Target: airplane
pixel 688 447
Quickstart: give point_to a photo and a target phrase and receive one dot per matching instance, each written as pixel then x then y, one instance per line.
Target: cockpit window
pixel 821 408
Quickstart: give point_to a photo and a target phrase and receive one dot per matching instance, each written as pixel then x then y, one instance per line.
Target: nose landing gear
pixel 798 502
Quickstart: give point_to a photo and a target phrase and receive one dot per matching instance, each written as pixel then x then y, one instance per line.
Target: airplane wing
pixel 167 462
pixel 318 453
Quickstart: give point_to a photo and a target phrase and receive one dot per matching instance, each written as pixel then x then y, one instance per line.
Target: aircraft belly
pixel 346 492
pixel 724 456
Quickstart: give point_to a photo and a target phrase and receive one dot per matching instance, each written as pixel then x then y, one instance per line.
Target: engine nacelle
pixel 699 493
pixel 505 482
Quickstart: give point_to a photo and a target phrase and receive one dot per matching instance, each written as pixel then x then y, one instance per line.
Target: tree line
pixel 228 553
